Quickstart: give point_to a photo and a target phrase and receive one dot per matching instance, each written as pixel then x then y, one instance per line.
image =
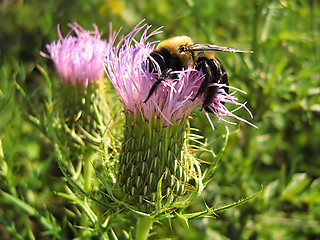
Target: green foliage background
pixel 282 81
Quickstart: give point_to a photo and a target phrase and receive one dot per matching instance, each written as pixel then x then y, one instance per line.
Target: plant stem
pixel 143 227
pixel 87 169
pixel 87 176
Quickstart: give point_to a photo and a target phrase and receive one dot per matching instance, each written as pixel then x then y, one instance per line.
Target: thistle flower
pixel 155 167
pixel 81 102
pixel 78 59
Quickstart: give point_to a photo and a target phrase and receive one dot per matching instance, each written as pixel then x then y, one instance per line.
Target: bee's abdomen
pixel 214 73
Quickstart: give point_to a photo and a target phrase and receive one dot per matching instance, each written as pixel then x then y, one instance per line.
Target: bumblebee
pixel 177 53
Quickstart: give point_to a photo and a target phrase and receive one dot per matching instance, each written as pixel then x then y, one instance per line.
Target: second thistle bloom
pixel 78 59
pixel 80 96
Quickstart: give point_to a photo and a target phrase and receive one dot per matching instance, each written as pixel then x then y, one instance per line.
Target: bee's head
pixel 178 47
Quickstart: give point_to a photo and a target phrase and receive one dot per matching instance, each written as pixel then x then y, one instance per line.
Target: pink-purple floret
pixel 78 59
pixel 126 67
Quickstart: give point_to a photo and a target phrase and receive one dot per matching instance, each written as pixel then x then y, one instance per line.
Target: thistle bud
pixel 80 96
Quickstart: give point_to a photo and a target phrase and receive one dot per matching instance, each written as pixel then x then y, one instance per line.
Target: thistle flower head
pixel 78 59
pixel 127 67
pixel 155 170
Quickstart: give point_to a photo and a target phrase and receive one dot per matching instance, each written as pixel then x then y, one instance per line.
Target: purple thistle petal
pixel 78 59
pixel 220 110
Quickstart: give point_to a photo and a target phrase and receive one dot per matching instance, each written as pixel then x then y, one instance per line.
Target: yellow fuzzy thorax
pixel 173 45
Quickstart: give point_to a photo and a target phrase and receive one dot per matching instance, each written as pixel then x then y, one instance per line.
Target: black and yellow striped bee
pixel 177 53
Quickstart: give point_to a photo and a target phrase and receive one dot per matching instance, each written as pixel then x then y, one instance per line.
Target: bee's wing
pixel 211 47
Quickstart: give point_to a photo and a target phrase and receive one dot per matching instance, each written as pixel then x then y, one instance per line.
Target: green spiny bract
pixel 154 157
pixel 85 113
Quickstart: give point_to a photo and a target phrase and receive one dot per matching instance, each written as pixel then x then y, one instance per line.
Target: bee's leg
pixel 212 90
pixel 214 73
pixel 165 74
pixel 202 65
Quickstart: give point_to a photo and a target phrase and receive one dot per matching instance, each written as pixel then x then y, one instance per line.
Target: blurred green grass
pixel 281 78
